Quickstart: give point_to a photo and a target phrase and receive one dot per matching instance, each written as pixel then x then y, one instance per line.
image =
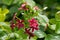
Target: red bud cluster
pixel 19 23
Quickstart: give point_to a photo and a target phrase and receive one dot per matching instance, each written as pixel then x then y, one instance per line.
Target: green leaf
pixel 43 18
pixel 13 36
pixel 52 37
pixel 41 27
pixel 18 1
pixel 22 34
pixel 57 27
pixel 58 7
pixel 2 17
pixel 13 9
pixel 4 37
pixel 10 36
pixel 6 27
pixel 5 11
pixel 52 21
pixel 15 1
pixel 53 27
pixel 3 14
pixel 0 10
pixel 2 32
pixel 7 2
pixel 40 34
pixel 49 3
pixel 57 16
pixel 30 2
pixel 0 1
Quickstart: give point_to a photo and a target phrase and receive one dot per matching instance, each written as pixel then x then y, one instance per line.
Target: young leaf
pixel 3 14
pixel 5 11
pixel 2 17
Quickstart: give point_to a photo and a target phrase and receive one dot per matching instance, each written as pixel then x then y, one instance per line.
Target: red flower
pixel 29 33
pixel 12 25
pixel 19 23
pixel 33 24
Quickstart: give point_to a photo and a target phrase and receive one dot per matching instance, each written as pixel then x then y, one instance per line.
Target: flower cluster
pixel 31 21
pixel 33 24
pixel 19 23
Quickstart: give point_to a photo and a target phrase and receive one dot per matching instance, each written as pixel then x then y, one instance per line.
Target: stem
pixel 28 38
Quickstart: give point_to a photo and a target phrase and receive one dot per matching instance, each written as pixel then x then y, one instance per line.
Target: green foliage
pixel 30 2
pixel 7 2
pixel 52 37
pixel 40 34
pixel 58 27
pixel 53 21
pixel 3 13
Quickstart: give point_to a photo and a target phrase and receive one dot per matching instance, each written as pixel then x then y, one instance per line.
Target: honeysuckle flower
pixel 33 24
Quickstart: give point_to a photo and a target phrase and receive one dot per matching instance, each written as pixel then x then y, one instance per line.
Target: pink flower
pixel 23 7
pixel 36 8
pixel 33 24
